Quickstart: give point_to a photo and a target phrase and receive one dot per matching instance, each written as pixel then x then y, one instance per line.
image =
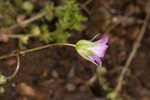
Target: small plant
pixel 111 94
pixel 66 17
pixel 85 48
pixel 102 80
pixel 7 14
pixel 28 7
pixel 69 16
pixel 3 80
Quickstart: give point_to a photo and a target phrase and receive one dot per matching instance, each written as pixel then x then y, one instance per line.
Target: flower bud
pixel 92 51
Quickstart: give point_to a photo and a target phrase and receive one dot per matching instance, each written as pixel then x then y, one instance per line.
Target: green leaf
pixel 49 8
pixel 2 90
pixel 28 7
pixel 69 16
pixel 35 30
pixel 2 79
pixel 18 3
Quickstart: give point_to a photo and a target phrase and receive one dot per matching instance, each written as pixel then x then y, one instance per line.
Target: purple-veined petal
pixel 96 60
pixel 102 41
pixel 99 50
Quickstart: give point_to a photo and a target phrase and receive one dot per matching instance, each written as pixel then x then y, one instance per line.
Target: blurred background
pixel 59 73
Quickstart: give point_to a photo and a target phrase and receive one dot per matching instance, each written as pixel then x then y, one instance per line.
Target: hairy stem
pixel 38 48
pixel 16 70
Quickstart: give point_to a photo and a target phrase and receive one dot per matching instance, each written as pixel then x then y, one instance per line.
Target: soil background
pixel 59 73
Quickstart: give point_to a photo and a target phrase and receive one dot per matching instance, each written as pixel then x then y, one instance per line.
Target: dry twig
pixel 84 6
pixel 15 27
pixel 136 45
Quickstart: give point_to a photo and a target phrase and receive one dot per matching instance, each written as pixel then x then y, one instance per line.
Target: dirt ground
pixel 59 73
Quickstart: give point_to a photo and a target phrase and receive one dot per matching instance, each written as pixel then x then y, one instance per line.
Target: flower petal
pixel 96 60
pixel 99 50
pixel 102 41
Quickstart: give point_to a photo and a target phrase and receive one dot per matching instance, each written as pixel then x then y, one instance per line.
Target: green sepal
pixel 82 48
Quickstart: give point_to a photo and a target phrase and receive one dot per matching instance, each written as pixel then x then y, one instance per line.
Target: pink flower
pixel 93 51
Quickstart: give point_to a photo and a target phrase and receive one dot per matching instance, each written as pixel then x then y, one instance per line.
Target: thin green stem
pixel 38 48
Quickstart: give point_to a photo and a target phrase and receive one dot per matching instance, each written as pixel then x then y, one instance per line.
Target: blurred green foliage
pixel 102 80
pixel 111 94
pixel 7 14
pixel 68 17
pixel 2 79
pixel 2 90
pixel 18 3
pixel 28 7
pixel 58 22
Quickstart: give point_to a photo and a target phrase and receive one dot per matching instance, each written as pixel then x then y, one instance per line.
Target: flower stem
pixel 16 70
pixel 38 48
